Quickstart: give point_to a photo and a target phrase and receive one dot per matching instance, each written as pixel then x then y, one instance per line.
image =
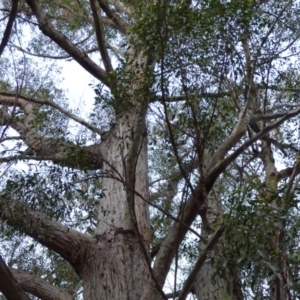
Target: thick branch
pixel 193 274
pixel 39 287
pixel 100 37
pixel 10 288
pixel 58 150
pixel 63 42
pixel 175 236
pixel 238 131
pixel 67 155
pixel 7 32
pixel 70 244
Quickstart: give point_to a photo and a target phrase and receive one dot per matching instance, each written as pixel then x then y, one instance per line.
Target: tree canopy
pixel 182 181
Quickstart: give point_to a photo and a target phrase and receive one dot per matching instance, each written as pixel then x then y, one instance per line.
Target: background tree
pixel 187 166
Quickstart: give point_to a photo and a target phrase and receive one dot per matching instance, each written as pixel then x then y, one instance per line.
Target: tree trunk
pixel 115 269
pixel 118 265
pixel 208 285
pixel 114 210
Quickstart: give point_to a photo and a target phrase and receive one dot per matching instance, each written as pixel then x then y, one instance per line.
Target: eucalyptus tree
pixel 188 165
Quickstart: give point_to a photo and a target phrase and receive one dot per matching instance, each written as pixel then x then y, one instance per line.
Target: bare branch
pixel 231 92
pixel 63 42
pixel 269 117
pixel 248 64
pixel 280 89
pixel 282 146
pixel 70 244
pixel 271 28
pixel 10 138
pixel 169 216
pixel 49 56
pixel 106 21
pixel 7 32
pixel 39 287
pixel 23 157
pixel 8 284
pixel 234 95
pixel 183 97
pixel 10 99
pixel 100 37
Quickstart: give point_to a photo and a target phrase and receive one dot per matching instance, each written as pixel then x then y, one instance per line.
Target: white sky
pixel 76 81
